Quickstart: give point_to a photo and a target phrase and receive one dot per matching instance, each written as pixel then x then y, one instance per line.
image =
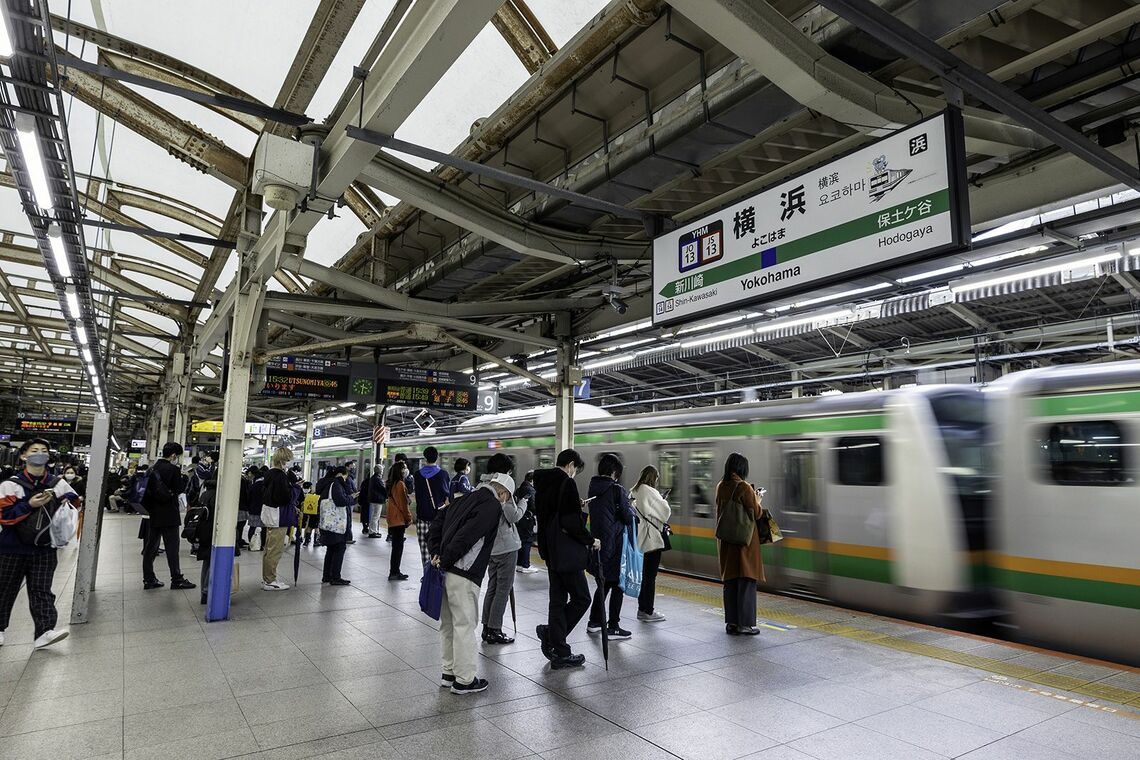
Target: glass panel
pixel 545 459
pixel 667 461
pixel 859 461
pixel 702 482
pixel 1090 453
pixel 799 474
pixel 479 468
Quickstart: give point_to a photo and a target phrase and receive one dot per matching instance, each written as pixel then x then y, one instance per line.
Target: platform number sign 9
pixel 489 401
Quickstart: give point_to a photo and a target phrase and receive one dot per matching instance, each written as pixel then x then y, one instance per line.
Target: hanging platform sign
pixel 44 424
pixel 428 388
pixel 900 199
pixel 316 378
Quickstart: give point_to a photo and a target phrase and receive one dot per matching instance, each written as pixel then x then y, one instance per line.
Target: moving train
pixel 1016 505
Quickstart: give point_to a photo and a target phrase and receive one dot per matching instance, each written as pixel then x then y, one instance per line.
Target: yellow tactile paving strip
pixel 848 627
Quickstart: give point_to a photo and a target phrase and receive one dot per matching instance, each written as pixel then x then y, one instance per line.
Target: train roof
pixel 1071 379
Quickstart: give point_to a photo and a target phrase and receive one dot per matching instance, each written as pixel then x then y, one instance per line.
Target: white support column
pixel 243 338
pixel 797 390
pixel 564 401
pixel 152 432
pixel 181 372
pixel 308 466
pixel 87 565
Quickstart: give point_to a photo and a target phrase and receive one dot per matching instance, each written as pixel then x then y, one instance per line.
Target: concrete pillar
pixel 247 308
pixel 268 450
pixel 153 431
pixel 181 372
pixel 797 390
pixel 564 401
pixel 87 565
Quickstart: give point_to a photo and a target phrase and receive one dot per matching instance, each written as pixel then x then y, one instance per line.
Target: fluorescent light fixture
pixel 844 294
pixel 85 352
pixel 1071 264
pixel 628 345
pixel 71 298
pixel 718 338
pixel 55 239
pixel 768 327
pixel 81 334
pixel 932 273
pixel 710 325
pixel 624 330
pixel 29 140
pixel 6 47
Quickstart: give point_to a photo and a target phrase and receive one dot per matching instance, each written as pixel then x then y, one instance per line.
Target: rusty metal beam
pixel 182 139
pixel 118 199
pixel 524 34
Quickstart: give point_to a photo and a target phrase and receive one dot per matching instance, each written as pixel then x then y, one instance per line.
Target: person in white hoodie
pixel 653 513
pixel 504 555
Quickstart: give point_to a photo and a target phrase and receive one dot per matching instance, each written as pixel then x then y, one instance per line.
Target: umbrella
pixel 514 620
pixel 605 626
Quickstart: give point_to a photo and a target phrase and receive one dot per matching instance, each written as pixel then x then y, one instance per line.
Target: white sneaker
pixel 593 629
pixel 275 586
pixel 651 617
pixel 48 638
pixel 530 570
pixel 1 638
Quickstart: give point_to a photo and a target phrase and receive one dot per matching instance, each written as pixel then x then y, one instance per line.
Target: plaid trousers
pixel 38 570
pixel 422 539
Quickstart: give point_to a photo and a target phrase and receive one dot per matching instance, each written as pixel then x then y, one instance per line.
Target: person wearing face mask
pixel 564 543
pixel 334 486
pixel 30 489
pixel 460 541
pixel 75 480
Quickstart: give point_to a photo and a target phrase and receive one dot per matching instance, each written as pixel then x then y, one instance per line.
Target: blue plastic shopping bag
pixel 431 591
pixel 632 564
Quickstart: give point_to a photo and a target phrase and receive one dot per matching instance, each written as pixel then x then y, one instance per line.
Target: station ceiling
pixel 651 106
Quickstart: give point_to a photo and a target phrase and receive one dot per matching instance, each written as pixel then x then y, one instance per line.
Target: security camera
pixel 620 306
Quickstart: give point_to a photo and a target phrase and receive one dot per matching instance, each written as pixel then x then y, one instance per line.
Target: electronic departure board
pixel 432 388
pixel 42 424
pixel 313 377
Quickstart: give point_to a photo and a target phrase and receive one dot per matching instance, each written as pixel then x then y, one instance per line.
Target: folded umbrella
pixel 605 626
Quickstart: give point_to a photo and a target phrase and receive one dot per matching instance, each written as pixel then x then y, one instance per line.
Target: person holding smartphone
pixel 741 567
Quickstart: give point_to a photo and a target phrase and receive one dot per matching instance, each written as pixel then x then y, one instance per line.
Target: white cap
pixel 506 481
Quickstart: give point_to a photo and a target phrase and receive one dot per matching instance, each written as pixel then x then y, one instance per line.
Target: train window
pixel 702 481
pixel 480 468
pixel 670 483
pixel 1087 453
pixel 859 461
pixel 545 459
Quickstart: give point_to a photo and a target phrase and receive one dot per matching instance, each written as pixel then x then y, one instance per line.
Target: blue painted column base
pixel 221 575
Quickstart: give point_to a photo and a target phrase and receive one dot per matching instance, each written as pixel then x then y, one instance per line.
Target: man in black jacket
pixel 460 541
pixel 164 484
pixel 564 543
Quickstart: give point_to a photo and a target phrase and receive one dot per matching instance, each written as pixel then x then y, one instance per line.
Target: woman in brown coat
pixel 740 566
pixel 399 518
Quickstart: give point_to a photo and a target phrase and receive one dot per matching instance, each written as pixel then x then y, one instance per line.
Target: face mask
pixel 38 460
pixel 69 477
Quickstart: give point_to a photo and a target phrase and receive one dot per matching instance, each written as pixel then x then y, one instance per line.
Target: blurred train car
pixel 1066 561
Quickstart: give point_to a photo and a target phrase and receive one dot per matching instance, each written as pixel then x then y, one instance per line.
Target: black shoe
pixel 732 630
pixel 351 541
pixel 446 681
pixel 203 600
pixel 325 580
pixel 617 632
pixel 496 636
pixel 569 661
pixel 243 544
pixel 398 577
pixel 237 552
pixel 181 583
pixel 148 585
pixel 340 582
pixel 547 651
pixel 750 630
pixel 476 686
pixel 389 538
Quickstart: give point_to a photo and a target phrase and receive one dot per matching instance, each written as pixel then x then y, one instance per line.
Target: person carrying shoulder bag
pixel 741 567
pixel 653 513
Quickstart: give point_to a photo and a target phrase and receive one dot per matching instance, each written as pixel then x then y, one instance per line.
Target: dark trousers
pixel 169 537
pixel 597 608
pixel 649 581
pixel 365 518
pixel 240 533
pixel 334 558
pixel 37 570
pixel 524 554
pixel 740 602
pixel 397 536
pixel 569 600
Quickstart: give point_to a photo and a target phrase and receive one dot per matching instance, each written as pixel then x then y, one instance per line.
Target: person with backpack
pixel 565 544
pixel 256 489
pixel 460 482
pixel 25 499
pixel 461 539
pixel 610 516
pixel 525 496
pixel 399 518
pixel 279 503
pixel 163 486
pixel 433 493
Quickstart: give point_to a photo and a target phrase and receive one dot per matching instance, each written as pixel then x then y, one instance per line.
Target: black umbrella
pixel 297 557
pixel 514 619
pixel 605 627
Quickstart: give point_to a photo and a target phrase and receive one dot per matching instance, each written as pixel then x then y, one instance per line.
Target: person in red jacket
pixel 29 490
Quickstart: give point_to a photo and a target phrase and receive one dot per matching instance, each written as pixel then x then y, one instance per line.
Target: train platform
pixel 347 672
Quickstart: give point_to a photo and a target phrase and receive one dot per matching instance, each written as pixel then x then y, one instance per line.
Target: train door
pixel 804 559
pixel 688 481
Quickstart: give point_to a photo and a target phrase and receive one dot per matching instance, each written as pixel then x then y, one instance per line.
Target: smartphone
pixel 761 491
pixel 666 492
pixel 587 501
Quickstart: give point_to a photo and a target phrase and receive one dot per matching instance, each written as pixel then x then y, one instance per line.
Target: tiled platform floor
pixel 351 672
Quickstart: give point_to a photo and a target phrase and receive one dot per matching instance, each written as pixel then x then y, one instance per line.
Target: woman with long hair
pixel 740 566
pixel 277 510
pixel 399 517
pixel 653 512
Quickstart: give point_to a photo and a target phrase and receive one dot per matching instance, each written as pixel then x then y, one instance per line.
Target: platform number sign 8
pixel 701 246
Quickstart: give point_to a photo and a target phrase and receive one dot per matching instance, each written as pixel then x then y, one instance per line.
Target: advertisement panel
pixel 901 198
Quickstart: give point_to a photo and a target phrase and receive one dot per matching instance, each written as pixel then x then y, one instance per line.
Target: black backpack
pixel 35 529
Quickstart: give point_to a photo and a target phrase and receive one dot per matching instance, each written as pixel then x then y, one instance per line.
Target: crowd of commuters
pixel 470 530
